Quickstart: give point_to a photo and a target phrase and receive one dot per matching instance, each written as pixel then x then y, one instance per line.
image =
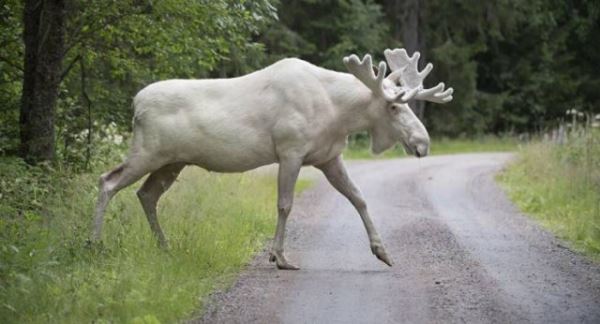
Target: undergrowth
pixel 49 274
pixel 560 186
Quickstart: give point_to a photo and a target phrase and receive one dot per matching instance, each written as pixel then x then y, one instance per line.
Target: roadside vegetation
pixel 559 185
pixel 49 274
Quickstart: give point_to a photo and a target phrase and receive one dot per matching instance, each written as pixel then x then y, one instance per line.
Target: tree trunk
pixel 408 18
pixel 43 35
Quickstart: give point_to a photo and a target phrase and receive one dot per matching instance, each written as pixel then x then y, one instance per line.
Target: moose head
pixel 397 121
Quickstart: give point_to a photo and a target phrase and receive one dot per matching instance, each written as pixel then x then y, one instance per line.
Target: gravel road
pixel 462 252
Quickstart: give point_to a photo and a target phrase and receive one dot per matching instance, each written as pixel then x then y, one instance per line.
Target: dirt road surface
pixel 462 253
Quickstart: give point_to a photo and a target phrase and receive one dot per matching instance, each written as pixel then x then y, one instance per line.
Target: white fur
pixel 292 113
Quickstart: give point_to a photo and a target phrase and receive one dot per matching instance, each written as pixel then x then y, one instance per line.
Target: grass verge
pixel 559 185
pixel 439 146
pixel 215 223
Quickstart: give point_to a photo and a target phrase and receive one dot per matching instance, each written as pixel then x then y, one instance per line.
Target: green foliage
pixel 11 73
pixel 48 273
pixel 117 47
pixel 121 46
pixel 560 186
pixel 325 31
pixel 516 65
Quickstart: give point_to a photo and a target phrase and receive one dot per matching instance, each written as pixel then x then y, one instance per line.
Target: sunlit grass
pixel 214 222
pixel 439 146
pixel 364 153
pixel 559 185
pixel 445 145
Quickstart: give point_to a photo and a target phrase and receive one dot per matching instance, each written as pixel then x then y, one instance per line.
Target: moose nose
pixel 421 150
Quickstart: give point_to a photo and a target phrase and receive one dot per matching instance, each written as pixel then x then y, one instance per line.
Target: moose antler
pixel 363 70
pixel 405 70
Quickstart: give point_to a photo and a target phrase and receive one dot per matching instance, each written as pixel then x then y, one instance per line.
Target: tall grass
pixel 48 274
pixel 560 186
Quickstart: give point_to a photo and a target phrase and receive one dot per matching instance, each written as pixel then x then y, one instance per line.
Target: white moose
pixel 292 113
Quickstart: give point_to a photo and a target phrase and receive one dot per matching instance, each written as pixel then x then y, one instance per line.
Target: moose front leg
pixel 335 172
pixel 286 181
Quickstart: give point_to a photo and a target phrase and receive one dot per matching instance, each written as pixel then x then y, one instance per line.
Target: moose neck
pixel 355 103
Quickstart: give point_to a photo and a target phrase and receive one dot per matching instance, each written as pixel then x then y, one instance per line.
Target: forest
pixel 517 66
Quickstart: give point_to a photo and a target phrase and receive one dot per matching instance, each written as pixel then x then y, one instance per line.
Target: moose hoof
pixel 379 252
pixel 281 262
pixel 93 243
pixel 163 245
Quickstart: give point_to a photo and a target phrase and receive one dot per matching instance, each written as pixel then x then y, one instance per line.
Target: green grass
pixel 439 146
pixel 214 222
pixel 364 153
pixel 444 145
pixel 559 185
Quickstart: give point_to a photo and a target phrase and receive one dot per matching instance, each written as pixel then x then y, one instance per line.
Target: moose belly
pixel 221 149
pixel 219 159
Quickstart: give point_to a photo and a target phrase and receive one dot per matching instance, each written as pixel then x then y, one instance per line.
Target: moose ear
pixel 394 109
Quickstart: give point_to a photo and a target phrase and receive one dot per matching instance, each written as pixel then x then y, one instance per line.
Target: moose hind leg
pixel 110 183
pixel 157 184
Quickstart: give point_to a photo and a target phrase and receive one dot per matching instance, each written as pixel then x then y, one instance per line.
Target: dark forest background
pixel 69 68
